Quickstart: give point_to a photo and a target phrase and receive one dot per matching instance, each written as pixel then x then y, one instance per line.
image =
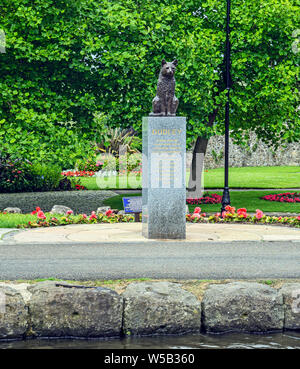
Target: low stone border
pixel 61 309
pixel 78 201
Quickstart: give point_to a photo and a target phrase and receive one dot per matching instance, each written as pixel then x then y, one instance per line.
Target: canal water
pixel 287 340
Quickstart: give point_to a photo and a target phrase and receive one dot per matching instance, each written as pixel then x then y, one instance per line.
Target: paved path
pixel 210 260
pixel 132 232
pixel 113 251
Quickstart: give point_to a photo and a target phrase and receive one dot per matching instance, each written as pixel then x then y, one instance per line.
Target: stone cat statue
pixel 165 101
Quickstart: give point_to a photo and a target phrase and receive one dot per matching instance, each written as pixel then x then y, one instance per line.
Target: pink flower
pixel 298 218
pixel 93 216
pixel 230 209
pixel 242 212
pixel 197 210
pixel 84 216
pixel 37 209
pixel 69 212
pixel 259 214
pixel 108 212
pixel 226 214
pixel 41 215
pixel 195 215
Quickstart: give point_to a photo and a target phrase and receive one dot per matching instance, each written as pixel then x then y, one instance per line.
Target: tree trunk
pixel 196 184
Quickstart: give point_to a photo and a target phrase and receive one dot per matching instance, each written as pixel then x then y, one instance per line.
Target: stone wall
pixel 255 154
pixel 78 201
pixel 62 309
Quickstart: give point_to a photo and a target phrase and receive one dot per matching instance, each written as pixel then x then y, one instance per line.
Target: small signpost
pixel 133 205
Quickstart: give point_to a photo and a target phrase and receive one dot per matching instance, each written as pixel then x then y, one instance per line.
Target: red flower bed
pixel 206 199
pixel 283 197
pixel 78 187
pixel 78 173
pixel 229 215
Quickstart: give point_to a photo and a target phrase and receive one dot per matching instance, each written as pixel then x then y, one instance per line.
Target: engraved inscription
pixel 166 158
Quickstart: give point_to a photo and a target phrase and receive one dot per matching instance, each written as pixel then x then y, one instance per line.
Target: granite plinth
pixel 164 183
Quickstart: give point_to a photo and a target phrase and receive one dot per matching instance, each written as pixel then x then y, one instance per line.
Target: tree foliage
pixel 67 59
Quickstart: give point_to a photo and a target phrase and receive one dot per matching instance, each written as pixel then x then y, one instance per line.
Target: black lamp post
pixel 226 196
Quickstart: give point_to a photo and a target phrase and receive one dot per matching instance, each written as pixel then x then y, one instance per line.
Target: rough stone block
pixel 159 308
pixel 13 313
pixel 13 210
pixel 60 209
pixel 59 309
pixel 291 301
pixel 102 209
pixel 242 307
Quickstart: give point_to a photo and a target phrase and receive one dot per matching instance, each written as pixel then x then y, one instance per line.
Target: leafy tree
pixel 264 71
pixel 46 90
pixel 66 60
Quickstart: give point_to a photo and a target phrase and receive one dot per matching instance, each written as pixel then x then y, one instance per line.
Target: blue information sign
pixel 132 204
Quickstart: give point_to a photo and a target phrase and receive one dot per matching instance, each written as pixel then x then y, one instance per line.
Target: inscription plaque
pixel 132 204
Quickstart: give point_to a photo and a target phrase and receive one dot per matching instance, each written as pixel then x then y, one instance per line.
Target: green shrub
pixel 15 175
pixel 67 184
pixel 111 162
pixel 134 162
pixel 90 164
pixel 45 177
pixel 21 175
pixel 136 144
pixel 109 140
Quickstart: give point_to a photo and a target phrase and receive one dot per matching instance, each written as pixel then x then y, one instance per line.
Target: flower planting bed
pixel 212 198
pixel 230 215
pixel 78 173
pixel 291 197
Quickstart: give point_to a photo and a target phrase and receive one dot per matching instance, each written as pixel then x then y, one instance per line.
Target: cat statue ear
pixel 163 62
pixel 175 62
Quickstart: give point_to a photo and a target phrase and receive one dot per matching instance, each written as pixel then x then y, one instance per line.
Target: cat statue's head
pixel 168 68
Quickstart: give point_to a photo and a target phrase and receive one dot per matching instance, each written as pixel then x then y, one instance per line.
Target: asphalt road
pixel 236 260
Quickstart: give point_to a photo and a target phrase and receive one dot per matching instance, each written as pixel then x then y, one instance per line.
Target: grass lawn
pixel 246 177
pixel 239 199
pixel 254 177
pixel 113 182
pixel 12 220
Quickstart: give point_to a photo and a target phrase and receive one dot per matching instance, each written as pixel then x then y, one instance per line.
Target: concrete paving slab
pixel 6 231
pixel 132 232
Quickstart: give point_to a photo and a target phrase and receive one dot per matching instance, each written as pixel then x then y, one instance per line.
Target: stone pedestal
pixel 164 183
